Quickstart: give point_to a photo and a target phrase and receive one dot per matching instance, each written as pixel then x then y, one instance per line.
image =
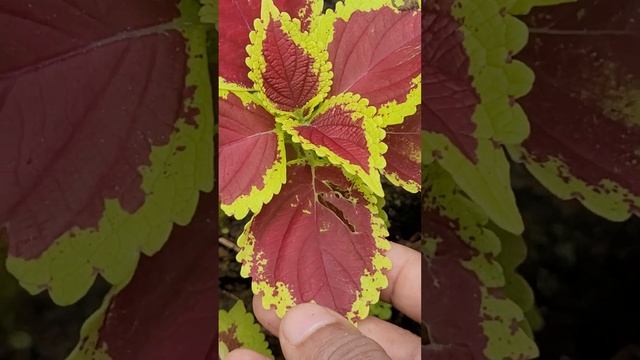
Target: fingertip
pixel 404 290
pixel 310 331
pixel 301 321
pixel 245 354
pixel 268 318
pixel 399 343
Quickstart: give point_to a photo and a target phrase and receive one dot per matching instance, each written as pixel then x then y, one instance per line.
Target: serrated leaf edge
pixel 272 180
pixel 374 135
pixel 279 296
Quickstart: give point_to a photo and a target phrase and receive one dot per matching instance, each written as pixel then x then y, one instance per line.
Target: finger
pixel 399 343
pixel 310 331
pixel 267 318
pixel 245 354
pixel 404 277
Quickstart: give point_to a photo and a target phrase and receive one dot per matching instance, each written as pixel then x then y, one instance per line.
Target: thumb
pixel 310 331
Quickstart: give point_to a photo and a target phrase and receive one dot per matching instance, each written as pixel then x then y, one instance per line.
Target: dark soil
pixel 585 272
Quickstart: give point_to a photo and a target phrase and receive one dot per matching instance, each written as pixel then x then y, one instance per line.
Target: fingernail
pixel 304 320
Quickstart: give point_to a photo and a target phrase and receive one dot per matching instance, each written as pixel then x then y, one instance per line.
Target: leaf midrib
pixel 118 37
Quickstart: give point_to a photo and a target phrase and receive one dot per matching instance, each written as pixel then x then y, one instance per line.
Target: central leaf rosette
pixel 302 142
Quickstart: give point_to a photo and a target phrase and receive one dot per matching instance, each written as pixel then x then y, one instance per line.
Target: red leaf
pixel 376 55
pixel 80 110
pixel 465 311
pixel 249 147
pixel 583 106
pixel 235 23
pixel 344 131
pixel 403 154
pixel 449 99
pixel 289 79
pixel 236 19
pixel 316 240
pixel 168 310
pixel 336 130
pixel 447 282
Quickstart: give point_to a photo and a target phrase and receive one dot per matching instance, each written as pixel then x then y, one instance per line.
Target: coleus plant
pixel 315 108
pixel 570 118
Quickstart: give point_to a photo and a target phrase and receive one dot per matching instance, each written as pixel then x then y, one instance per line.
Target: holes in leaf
pixel 340 192
pixel 334 209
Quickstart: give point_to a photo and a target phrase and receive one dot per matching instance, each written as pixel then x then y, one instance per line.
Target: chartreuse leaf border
pixel 272 180
pixel 409 185
pixel 280 297
pixel 171 183
pixel 513 253
pixel 607 198
pixel 492 36
pixel 292 28
pixel 392 112
pixel 498 313
pixel 248 333
pixel 373 132
pixel 208 12
pixel 488 40
pixel 488 182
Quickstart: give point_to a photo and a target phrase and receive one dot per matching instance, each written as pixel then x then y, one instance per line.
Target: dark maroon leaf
pixel 449 99
pixel 169 308
pixel 465 310
pixel 80 109
pixel 583 109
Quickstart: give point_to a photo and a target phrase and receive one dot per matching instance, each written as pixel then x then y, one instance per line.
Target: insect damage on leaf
pixel 340 241
pixel 338 213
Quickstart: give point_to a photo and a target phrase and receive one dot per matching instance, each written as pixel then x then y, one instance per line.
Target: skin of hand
pixel 312 332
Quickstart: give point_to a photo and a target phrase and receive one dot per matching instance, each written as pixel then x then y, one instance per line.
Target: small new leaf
pixel 237 328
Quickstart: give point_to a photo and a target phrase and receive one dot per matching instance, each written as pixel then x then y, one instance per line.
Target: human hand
pixel 310 331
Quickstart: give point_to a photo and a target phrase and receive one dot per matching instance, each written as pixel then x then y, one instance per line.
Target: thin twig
pixel 228 244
